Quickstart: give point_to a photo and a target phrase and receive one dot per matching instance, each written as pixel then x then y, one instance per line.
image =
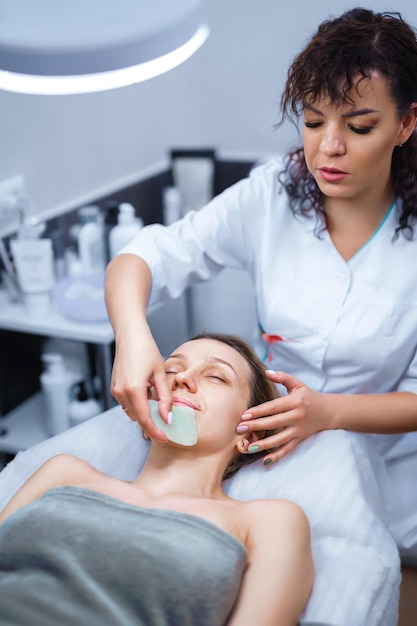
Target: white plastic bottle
pixel 171 205
pixel 82 407
pixel 125 230
pixel 91 240
pixel 55 382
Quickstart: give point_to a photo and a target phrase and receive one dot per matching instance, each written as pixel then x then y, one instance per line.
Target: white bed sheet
pixel 335 476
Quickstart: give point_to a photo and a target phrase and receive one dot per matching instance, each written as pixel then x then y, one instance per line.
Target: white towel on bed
pixel 401 465
pixel 335 476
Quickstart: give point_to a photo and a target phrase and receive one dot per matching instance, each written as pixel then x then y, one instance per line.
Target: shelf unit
pixel 169 325
pixel 23 426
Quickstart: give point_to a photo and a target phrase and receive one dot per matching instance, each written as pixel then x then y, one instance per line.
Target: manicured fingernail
pixel 270 372
pixel 267 461
pixel 170 417
pixel 252 449
pixel 247 416
pixel 242 428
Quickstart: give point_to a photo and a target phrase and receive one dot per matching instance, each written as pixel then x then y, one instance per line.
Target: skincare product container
pixel 171 205
pixel 56 382
pixel 128 225
pixel 193 174
pixel 33 259
pixel 91 240
pixel 82 406
pixel 31 228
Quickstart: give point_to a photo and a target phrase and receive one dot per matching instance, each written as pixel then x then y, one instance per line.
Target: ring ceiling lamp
pixel 81 46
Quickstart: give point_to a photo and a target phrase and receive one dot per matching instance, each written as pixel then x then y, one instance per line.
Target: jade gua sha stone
pixel 182 430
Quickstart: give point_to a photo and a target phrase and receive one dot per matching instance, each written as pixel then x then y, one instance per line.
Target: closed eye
pixel 360 131
pixel 356 129
pixel 217 376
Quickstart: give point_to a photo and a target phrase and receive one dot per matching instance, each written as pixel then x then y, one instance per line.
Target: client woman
pixel 168 548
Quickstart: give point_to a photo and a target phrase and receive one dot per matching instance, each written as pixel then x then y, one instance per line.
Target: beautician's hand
pixel 300 414
pixel 137 366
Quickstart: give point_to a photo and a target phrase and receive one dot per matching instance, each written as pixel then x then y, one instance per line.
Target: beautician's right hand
pixel 137 366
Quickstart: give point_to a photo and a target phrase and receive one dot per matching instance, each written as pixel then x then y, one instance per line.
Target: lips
pixel 331 174
pixel 183 402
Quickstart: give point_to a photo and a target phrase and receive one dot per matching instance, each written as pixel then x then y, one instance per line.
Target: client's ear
pixel 243 444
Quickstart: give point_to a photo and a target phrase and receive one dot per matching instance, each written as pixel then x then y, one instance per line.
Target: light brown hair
pixel 261 389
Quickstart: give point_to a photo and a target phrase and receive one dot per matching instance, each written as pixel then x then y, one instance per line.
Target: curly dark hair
pixel 358 42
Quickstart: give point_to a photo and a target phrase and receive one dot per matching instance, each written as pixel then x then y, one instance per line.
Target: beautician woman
pixel 328 235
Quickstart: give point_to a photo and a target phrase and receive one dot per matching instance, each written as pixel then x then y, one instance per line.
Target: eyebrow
pixel 353 113
pixel 211 359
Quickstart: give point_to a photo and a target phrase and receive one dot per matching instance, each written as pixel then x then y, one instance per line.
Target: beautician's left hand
pixel 300 414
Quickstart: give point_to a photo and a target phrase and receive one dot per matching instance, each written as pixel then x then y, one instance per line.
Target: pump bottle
pixel 128 225
pixel 91 240
pixel 171 205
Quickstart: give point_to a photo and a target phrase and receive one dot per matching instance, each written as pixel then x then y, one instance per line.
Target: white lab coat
pixel 343 327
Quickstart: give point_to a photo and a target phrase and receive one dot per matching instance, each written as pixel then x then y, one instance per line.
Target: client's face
pixel 213 379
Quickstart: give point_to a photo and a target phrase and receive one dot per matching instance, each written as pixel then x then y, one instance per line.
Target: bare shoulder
pixel 60 470
pixel 267 517
pixel 67 468
pixel 273 506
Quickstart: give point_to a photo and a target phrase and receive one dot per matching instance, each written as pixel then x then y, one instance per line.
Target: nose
pixel 185 379
pixel 332 141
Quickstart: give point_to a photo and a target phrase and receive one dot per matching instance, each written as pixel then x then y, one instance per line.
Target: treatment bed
pixel 335 476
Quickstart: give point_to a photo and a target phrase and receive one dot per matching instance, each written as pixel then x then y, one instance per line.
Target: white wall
pixel 72 148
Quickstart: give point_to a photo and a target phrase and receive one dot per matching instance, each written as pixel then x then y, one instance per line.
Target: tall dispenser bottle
pixel 56 382
pixel 128 225
pixel 172 206
pixel 91 248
